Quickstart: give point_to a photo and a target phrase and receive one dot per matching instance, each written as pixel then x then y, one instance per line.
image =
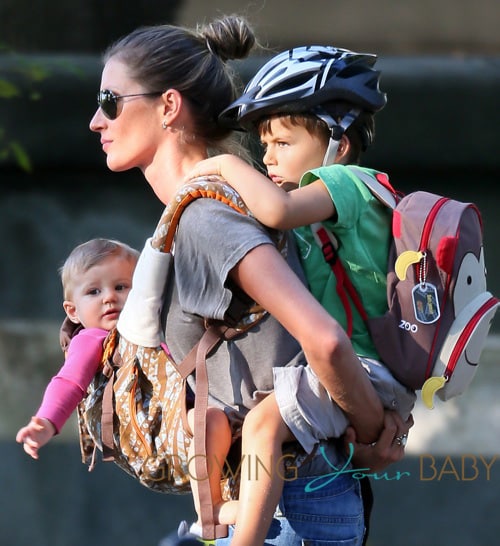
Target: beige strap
pixel 108 448
pixel 211 338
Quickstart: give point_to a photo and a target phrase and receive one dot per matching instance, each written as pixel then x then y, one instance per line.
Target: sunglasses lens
pixel 108 103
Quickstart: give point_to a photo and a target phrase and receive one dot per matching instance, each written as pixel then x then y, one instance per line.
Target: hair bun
pixel 229 37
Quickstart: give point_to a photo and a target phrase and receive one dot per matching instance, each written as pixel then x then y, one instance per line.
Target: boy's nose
pixel 268 158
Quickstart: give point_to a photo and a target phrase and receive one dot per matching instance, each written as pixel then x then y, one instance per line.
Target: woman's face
pixel 131 139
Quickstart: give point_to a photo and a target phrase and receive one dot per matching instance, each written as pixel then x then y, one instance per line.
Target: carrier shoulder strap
pixel 213 187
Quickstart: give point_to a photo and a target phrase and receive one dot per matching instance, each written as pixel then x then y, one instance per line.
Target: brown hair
pixel 360 133
pixel 194 63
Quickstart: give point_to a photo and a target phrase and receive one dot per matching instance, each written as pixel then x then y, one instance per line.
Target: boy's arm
pixel 271 205
pixel 267 279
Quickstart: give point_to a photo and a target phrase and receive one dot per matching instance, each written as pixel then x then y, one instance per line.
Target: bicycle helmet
pixel 304 79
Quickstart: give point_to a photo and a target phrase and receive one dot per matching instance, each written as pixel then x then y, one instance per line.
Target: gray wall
pixel 398 27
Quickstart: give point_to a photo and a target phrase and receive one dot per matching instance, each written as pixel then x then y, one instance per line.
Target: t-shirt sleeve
pixel 345 194
pixel 212 238
pixel 67 388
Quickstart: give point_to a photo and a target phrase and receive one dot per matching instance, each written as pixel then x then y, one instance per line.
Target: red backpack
pixel 440 311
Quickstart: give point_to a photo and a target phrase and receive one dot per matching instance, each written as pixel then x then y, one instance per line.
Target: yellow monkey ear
pixel 404 260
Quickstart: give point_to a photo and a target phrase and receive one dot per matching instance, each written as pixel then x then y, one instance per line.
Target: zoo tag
pixel 426 303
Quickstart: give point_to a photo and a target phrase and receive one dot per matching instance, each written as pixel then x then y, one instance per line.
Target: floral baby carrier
pixel 135 409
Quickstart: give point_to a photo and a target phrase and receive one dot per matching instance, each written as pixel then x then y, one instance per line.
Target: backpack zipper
pixel 465 335
pixel 421 266
pixel 427 230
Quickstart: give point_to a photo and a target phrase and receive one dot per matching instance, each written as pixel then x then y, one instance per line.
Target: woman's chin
pixel 116 166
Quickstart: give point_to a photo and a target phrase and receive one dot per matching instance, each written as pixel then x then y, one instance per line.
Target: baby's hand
pixel 35 435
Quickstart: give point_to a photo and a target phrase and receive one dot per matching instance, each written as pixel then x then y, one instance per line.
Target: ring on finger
pixel 401 440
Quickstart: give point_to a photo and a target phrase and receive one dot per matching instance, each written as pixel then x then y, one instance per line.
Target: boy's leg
pixel 218 444
pixel 262 471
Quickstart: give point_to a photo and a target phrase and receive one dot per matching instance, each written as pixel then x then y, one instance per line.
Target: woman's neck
pixel 167 172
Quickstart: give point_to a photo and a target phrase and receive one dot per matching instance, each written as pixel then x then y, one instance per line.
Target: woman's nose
pixel 96 123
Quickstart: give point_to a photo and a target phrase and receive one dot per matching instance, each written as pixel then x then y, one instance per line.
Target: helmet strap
pixel 337 130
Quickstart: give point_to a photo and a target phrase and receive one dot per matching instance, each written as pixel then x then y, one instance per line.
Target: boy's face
pixel 290 151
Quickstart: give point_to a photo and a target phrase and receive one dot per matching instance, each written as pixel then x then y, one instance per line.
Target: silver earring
pixel 164 124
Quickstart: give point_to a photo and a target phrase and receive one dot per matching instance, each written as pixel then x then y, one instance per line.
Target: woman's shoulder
pixel 209 219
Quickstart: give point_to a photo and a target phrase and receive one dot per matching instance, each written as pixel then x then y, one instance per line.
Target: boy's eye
pixel 93 291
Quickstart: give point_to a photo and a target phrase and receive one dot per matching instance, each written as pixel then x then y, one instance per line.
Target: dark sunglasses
pixel 108 101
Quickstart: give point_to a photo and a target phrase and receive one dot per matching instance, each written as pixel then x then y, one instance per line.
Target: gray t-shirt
pixel 212 238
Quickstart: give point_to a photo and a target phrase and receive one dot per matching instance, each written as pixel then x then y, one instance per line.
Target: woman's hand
pixel 388 449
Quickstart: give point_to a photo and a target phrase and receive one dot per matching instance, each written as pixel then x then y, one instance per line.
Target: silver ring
pixel 401 440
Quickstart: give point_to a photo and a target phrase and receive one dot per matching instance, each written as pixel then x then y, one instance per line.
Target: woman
pixel 162 90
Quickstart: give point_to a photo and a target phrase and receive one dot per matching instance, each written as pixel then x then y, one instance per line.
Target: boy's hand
pixel 226 165
pixel 209 166
pixel 387 449
pixel 35 435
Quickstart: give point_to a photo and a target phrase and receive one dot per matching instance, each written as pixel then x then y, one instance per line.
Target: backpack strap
pixel 107 418
pixel 379 186
pixel 344 287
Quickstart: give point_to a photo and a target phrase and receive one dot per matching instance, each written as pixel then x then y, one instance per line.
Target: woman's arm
pixel 265 277
pixel 271 205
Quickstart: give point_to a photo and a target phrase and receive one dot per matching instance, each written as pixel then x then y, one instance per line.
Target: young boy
pixel 313 108
pixel 96 279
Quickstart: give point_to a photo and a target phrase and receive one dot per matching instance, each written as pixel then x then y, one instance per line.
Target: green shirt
pixel 363 229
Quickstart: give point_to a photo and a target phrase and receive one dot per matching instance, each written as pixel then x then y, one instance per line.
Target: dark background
pixel 441 70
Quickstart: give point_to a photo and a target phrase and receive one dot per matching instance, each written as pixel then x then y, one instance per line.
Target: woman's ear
pixel 172 105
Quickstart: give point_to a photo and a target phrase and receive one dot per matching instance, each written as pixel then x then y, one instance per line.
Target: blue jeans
pixel 330 515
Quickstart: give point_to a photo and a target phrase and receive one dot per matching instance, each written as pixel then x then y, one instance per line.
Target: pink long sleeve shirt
pixel 68 387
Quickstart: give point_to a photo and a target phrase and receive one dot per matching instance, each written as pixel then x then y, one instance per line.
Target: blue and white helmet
pixel 303 79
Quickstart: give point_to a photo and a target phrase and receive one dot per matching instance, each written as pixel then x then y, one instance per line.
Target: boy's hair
pixel 88 254
pixel 361 132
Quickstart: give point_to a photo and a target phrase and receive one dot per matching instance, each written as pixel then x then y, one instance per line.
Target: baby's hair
pixel 89 254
